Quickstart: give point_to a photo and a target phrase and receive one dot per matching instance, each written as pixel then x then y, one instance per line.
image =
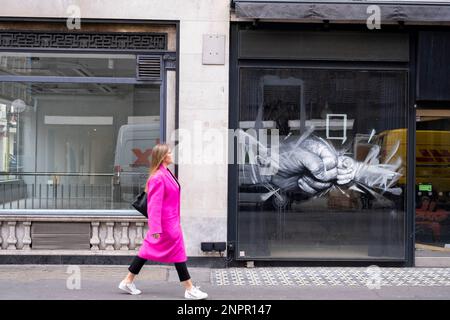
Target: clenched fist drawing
pixel 311 166
pixel 314 165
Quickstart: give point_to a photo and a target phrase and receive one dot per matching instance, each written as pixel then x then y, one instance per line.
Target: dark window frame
pixel 236 64
pixel 169 61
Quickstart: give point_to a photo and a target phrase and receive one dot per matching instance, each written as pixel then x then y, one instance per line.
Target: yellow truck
pixel 432 157
pixel 432 180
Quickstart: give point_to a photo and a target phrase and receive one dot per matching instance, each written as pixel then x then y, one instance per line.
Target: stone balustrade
pixel 108 233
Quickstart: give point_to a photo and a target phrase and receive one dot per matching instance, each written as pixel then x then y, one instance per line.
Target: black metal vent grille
pixel 61 40
pixel 149 68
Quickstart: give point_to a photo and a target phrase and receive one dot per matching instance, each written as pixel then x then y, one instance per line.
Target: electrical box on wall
pixel 213 49
pixel 213 246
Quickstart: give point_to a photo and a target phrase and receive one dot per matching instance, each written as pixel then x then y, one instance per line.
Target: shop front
pixel 86 91
pixel 326 115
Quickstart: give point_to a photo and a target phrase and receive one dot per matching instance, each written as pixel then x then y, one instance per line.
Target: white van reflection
pixel 132 159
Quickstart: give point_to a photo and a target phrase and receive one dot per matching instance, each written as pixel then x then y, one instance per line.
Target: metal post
pixel 70 191
pixel 106 195
pixel 18 197
pixel 55 195
pixel 62 196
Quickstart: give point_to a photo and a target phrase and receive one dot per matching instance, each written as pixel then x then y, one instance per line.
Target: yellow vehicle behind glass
pixel 432 157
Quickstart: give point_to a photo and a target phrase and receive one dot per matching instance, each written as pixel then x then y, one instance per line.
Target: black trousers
pixel 138 263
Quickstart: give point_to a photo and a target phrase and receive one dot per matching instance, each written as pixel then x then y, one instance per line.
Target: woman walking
pixel 164 240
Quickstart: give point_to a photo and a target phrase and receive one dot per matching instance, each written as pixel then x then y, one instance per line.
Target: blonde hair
pixel 159 152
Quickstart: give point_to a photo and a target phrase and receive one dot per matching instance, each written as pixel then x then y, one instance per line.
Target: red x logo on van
pixel 142 157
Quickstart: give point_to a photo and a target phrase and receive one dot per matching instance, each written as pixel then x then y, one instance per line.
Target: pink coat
pixel 163 207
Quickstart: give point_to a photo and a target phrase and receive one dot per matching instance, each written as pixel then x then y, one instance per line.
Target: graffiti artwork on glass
pixel 311 164
pixel 308 162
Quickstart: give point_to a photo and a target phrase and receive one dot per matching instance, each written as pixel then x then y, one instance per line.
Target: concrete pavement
pixel 87 282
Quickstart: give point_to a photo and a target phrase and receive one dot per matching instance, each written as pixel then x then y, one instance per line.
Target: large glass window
pixel 75 145
pixel 333 186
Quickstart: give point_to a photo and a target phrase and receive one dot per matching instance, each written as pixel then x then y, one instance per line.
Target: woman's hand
pixel 156 235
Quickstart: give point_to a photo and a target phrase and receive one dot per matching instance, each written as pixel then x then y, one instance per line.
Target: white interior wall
pixel 78 147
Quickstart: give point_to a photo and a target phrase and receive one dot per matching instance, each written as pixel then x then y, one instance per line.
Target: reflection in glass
pixel 75 146
pixel 67 65
pixel 338 185
pixel 433 180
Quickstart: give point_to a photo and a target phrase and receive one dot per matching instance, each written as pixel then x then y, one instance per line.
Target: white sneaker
pixel 195 293
pixel 129 288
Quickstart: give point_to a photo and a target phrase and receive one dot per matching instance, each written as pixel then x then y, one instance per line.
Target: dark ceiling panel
pixel 433 66
pixel 316 45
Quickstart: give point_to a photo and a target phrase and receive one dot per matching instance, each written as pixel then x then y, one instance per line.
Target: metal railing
pixel 55 190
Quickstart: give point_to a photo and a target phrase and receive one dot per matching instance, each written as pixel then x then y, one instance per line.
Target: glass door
pixel 433 182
